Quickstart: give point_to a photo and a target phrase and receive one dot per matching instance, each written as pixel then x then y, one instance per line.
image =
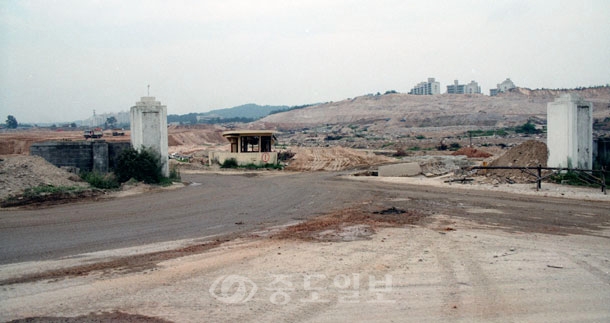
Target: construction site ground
pixel 313 247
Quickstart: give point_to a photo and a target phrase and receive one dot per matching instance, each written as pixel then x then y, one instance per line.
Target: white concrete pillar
pixel 149 128
pixel 570 132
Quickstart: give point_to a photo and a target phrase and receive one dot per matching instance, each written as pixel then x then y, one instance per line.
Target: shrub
pixel 454 146
pixel 144 165
pixel 527 128
pixel 103 181
pixel 569 178
pixel 229 163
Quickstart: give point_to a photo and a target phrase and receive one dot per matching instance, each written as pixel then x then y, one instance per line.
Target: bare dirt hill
pixel 190 139
pixel 404 110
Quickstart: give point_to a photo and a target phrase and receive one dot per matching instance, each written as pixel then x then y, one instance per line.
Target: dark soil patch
pixel 392 210
pixel 49 199
pixel 344 220
pixel 94 317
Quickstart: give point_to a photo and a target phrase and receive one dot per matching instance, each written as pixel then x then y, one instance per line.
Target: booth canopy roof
pixel 248 133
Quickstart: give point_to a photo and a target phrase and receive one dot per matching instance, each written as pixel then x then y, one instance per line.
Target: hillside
pixel 405 110
pixel 251 110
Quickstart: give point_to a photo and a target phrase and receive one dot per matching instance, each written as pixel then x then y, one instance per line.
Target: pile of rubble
pixel 19 172
pixel 528 154
pixel 428 166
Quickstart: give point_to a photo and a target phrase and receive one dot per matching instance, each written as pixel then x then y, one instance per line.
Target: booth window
pixel 265 144
pixel 249 144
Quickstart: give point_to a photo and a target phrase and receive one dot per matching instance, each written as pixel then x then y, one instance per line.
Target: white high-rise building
pixel 427 88
pixel 470 88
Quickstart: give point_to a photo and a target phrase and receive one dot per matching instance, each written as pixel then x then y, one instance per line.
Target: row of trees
pixel 11 122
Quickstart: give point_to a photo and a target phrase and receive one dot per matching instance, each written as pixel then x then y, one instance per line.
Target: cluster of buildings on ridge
pixel 432 87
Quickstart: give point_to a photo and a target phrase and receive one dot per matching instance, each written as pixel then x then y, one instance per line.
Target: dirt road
pixel 475 256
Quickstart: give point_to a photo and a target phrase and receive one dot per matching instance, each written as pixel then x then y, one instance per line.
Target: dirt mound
pixel 530 153
pixel 332 159
pixel 19 172
pixel 471 153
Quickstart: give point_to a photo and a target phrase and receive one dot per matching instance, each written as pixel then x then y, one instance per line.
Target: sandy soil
pixel 19 142
pixel 443 269
pixel 333 159
pixel 346 266
pixel 482 184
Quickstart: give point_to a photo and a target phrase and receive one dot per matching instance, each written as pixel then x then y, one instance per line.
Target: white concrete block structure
pixel 149 128
pixel 570 132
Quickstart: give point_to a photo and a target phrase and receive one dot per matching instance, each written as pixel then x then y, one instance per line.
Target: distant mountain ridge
pixel 250 110
pixel 243 113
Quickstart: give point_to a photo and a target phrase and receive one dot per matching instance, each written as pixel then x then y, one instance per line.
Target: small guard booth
pixel 247 147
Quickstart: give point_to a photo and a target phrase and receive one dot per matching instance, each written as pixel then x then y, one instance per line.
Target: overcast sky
pixel 60 60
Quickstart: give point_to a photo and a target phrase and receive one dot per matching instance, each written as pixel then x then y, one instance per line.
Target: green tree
pixel 11 122
pixel 111 122
pixel 528 128
pixel 144 165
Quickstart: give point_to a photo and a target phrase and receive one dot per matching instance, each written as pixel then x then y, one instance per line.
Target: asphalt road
pixel 215 204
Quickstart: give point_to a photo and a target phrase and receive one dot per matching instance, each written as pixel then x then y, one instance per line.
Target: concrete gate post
pixel 570 132
pixel 149 128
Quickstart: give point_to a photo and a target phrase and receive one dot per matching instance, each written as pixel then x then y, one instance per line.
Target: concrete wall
pixel 219 157
pixel 149 128
pixel 570 132
pixel 86 156
pixel 399 170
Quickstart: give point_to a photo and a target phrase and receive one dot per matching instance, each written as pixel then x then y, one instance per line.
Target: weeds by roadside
pixel 232 163
pixel 102 181
pixel 575 178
